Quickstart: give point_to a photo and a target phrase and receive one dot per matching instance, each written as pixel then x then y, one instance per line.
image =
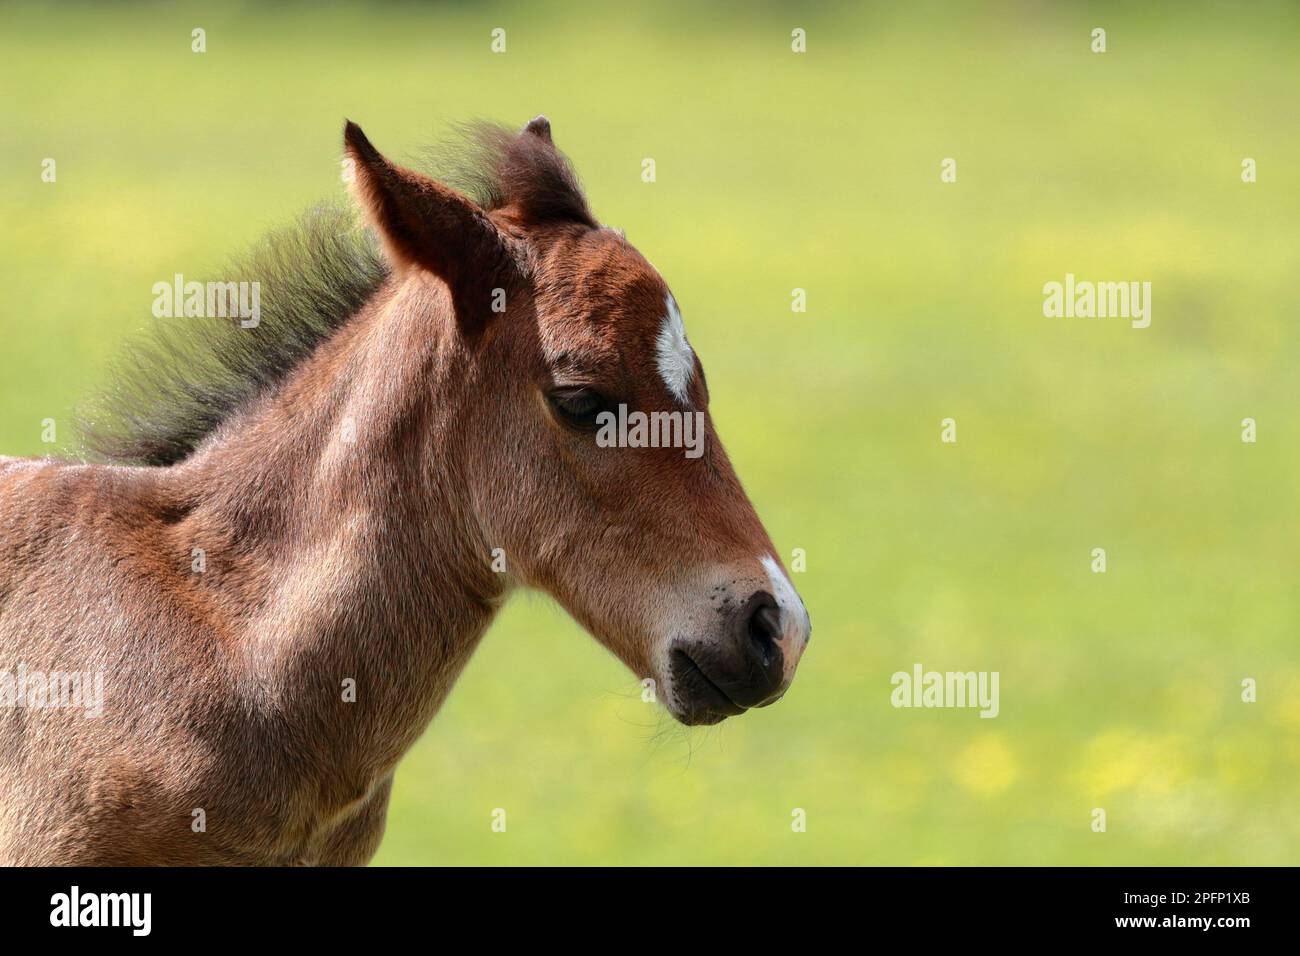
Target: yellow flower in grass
pixel 1122 759
pixel 1286 713
pixel 987 766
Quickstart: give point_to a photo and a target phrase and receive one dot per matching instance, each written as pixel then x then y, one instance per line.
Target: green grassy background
pixel 818 171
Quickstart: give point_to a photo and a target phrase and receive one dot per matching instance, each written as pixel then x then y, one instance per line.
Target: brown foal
pixel 278 573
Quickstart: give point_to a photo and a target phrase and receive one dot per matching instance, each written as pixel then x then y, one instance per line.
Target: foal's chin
pixel 697 700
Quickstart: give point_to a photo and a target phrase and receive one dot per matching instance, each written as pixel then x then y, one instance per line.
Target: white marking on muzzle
pixel 795 624
pixel 673 353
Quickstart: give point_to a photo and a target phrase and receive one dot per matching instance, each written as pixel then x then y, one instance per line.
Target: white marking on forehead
pixel 673 353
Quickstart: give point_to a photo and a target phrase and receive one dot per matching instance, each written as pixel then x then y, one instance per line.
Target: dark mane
pixel 186 376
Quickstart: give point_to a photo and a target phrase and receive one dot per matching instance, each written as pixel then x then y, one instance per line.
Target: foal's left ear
pixel 424 224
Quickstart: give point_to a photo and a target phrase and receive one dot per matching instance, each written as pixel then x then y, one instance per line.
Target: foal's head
pixel 584 433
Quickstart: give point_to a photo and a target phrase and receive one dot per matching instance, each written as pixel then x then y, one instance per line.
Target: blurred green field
pixel 818 171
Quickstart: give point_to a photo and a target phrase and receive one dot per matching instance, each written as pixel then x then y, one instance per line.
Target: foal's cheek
pixel 585 485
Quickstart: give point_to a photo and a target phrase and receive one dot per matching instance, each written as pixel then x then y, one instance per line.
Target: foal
pixel 286 563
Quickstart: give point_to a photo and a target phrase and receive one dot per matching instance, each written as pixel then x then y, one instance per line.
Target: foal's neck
pixel 340 545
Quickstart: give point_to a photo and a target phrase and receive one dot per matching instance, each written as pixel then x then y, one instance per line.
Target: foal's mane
pixel 186 376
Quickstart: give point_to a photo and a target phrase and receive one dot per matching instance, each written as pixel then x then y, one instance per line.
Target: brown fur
pixel 331 559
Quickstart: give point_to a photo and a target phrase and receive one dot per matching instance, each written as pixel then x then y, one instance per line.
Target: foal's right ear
pixel 424 224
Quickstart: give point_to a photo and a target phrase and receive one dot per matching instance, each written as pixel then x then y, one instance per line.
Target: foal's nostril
pixel 764 628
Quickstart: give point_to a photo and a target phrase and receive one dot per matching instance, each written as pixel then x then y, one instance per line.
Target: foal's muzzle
pixel 749 663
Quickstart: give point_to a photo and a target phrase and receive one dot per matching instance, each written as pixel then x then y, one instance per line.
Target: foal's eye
pixel 578 407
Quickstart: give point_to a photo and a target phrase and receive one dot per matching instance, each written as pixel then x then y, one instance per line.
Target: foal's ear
pixel 424 224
